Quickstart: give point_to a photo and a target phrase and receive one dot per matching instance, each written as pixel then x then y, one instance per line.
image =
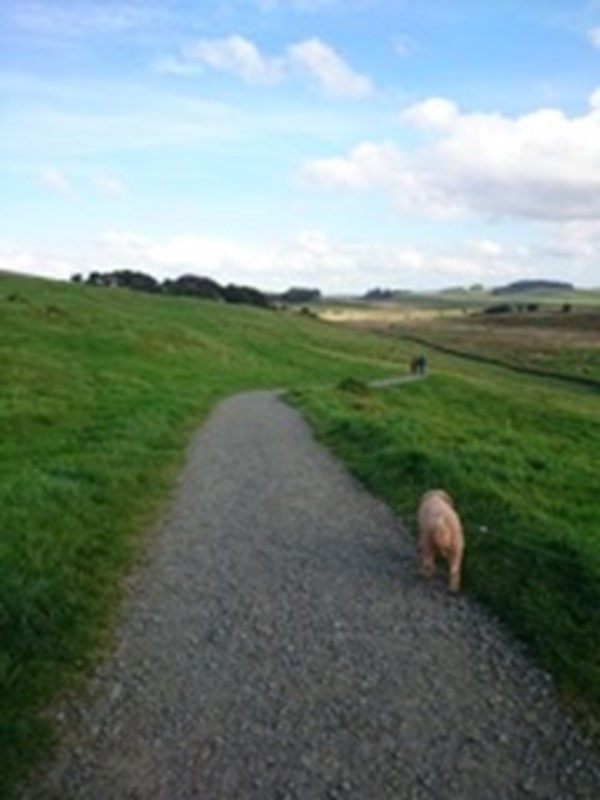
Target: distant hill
pixel 379 295
pixel 533 286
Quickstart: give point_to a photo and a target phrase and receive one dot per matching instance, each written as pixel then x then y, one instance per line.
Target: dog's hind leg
pixel 427 565
pixel 455 570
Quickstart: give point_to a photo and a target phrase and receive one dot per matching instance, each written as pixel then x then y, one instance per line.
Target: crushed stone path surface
pixel 278 645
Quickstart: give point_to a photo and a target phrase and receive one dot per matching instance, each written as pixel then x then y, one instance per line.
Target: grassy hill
pixel 100 390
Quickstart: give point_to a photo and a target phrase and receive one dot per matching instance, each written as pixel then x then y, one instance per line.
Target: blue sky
pixel 343 144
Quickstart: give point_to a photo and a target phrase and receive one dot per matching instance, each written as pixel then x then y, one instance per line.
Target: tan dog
pixel 440 534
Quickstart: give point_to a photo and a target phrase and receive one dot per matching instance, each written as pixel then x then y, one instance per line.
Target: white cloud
pixel 384 167
pixel 237 55
pixel 542 165
pixel 311 258
pixel 436 113
pixel 405 46
pixel 109 185
pixel 64 19
pixel 26 261
pixel 225 260
pixel 240 56
pixel 577 241
pixel 488 248
pixel 329 69
pixel 56 181
pixel 593 37
pixel 366 166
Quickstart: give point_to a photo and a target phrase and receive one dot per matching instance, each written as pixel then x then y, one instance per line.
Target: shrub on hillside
pixel 194 286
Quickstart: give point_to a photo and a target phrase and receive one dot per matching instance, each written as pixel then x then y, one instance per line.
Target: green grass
pixel 550 299
pixel 459 299
pixel 520 455
pixel 548 339
pixel 101 389
pixel 99 393
pixel 566 344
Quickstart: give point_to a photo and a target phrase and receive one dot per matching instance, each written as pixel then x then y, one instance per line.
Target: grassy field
pixel 465 300
pixel 567 344
pixel 101 389
pixel 521 455
pixel 99 392
pixel 547 339
pixel 548 299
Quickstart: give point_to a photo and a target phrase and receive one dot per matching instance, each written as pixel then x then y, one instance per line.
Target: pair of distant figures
pixel 418 365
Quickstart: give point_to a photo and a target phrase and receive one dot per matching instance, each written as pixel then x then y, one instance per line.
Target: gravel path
pixel 277 645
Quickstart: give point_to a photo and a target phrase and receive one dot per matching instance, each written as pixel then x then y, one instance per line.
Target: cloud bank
pixel 312 258
pixel 543 165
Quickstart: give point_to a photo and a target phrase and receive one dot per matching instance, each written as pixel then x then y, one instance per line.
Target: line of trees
pixel 185 285
pixel 196 286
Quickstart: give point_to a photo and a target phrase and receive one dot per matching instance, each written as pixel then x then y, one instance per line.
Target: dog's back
pixel 440 532
pixel 439 520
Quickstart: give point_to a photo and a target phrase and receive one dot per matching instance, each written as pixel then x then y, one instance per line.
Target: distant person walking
pixel 418 365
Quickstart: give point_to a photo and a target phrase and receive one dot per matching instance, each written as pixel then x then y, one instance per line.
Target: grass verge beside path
pixel 99 393
pixel 520 455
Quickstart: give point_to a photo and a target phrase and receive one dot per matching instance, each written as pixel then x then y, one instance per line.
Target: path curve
pixel 277 645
